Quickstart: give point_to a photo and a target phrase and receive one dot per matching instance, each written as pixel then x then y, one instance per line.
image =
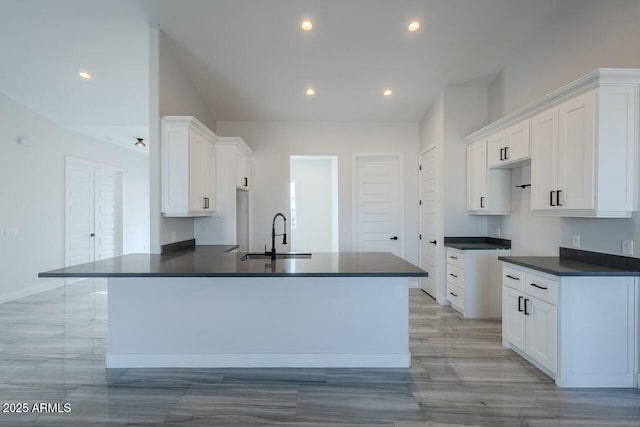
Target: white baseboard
pixel 402 360
pixel 31 290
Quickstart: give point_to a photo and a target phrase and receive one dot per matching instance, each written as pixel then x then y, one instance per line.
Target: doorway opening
pixel 314 203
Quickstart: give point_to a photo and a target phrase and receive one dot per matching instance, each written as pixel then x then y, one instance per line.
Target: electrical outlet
pixel 575 240
pixel 173 236
pixel 627 247
pixel 498 232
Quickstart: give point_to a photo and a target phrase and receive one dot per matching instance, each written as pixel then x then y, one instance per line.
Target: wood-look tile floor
pixel 52 349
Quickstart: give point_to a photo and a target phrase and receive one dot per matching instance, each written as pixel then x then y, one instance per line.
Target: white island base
pixel 216 322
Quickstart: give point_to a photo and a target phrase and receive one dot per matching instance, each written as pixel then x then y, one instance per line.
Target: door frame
pixel 70 160
pixel 436 277
pixel 354 193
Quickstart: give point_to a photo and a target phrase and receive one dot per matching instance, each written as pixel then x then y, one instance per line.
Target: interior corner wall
pixel 583 36
pixel 457 112
pixel 32 189
pixel 273 144
pixel 172 93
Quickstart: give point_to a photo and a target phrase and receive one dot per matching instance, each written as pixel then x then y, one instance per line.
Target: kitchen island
pixel 208 308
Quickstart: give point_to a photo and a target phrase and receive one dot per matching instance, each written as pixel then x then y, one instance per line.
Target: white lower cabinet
pixel 473 282
pixel 529 324
pixel 581 331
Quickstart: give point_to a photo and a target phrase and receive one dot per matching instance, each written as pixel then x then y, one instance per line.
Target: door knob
pixel 92 235
pixel 393 238
pixel 433 242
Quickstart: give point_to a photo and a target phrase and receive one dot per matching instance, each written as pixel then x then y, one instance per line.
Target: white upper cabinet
pixel 582 141
pixel 584 155
pixel 243 171
pixel 188 167
pixel 510 147
pixel 488 190
pixel 495 149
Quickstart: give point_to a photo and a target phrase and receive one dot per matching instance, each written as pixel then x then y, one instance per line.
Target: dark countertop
pixel 572 262
pixel 213 261
pixel 476 243
pixel 474 246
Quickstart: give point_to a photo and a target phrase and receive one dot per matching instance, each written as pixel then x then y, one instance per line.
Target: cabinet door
pixel 247 172
pixel 541 332
pixel 477 176
pixel 544 159
pixel 196 171
pixel 517 142
pixel 495 149
pixel 576 147
pixel 513 319
pixel 209 177
pixel 242 180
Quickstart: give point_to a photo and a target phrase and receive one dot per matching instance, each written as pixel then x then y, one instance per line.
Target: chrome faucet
pixel 273 236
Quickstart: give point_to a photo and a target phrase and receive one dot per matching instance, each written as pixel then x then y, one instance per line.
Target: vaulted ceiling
pixel 251 61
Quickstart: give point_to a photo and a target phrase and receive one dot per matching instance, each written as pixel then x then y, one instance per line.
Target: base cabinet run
pixel 473 282
pixel 581 331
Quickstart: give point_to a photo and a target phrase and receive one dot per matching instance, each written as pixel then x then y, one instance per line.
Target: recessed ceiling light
pixel 413 26
pixel 306 25
pixel 310 91
pixel 84 75
pixel 387 92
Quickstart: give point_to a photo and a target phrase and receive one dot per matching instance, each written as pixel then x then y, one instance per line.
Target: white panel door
pixel 495 149
pixel 541 332
pixel 477 176
pixel 79 226
pixel 544 159
pixel 517 141
pixel 429 220
pixel 378 204
pixel 513 318
pixel 107 211
pixel 197 158
pixel 93 213
pixel 576 145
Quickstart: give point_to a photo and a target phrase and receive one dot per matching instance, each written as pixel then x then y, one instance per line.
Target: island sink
pixel 285 255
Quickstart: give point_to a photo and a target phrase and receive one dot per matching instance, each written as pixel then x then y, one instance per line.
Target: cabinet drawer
pixel 455 275
pixel 513 278
pixel 455 295
pixel 455 258
pixel 542 287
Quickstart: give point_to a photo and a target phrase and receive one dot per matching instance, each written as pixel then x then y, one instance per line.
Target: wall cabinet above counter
pixel 200 169
pixel 188 167
pixel 582 142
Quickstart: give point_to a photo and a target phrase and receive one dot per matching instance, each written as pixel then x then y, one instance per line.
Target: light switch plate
pixel 10 231
pixel 575 240
pixel 498 232
pixel 627 247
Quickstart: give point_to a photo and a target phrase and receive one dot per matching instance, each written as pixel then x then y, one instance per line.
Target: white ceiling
pixel 251 61
pixel 45 43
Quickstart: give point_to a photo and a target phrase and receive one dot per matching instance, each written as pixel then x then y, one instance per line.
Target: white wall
pixel 316 222
pixel 32 194
pixel 585 35
pixel 172 93
pixel 274 142
pixel 454 114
